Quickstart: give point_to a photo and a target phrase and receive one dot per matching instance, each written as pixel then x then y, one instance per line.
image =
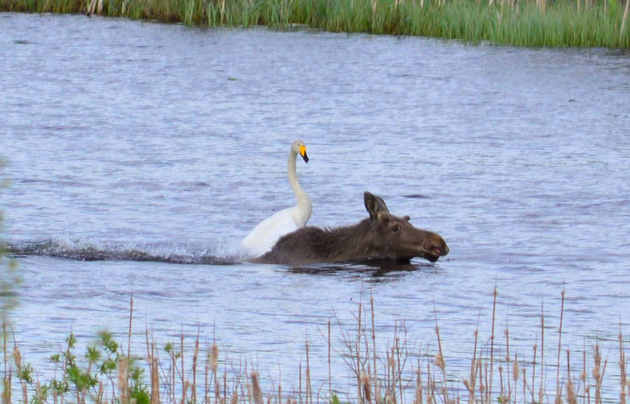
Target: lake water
pixel 142 143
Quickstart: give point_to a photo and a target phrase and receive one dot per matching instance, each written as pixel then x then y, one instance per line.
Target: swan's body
pixel 266 233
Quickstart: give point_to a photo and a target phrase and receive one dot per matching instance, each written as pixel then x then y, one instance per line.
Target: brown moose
pixel 382 236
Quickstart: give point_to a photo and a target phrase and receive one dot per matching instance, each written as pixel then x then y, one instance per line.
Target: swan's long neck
pixel 304 204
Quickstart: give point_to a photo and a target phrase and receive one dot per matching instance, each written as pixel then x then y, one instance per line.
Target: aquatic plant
pixel 402 371
pixel 581 23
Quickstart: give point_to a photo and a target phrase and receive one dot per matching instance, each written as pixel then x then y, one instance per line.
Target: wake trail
pixel 89 251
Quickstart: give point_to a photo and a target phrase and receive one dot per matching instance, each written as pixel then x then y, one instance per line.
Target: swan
pixel 266 233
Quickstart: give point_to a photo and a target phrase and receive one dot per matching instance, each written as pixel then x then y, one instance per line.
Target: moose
pixel 382 236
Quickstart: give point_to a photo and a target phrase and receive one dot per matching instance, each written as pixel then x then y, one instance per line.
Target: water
pixel 145 146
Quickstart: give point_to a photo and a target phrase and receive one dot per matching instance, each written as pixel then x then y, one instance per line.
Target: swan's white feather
pixel 268 232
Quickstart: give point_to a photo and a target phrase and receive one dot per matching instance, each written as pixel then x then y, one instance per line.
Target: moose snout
pixel 439 246
pixel 445 250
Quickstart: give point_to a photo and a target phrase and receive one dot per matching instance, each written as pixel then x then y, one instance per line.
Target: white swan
pixel 264 236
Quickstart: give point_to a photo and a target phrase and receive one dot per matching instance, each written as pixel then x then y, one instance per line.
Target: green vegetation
pixel 582 23
pixel 104 367
pixel 186 372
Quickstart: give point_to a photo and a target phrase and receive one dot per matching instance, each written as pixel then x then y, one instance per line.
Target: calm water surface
pixel 127 138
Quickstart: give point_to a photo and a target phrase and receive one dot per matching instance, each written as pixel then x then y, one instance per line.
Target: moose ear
pixel 374 205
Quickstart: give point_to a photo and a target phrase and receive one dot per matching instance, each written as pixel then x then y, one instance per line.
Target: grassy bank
pixel 581 23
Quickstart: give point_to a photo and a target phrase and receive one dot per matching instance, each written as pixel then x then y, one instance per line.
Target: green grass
pixel 579 23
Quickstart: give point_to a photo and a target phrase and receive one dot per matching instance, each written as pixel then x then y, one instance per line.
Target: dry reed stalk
pixel 558 392
pixel 194 370
pixel 486 383
pixel 470 383
pixel 130 327
pixel 366 385
pixel 542 355
pixel 597 373
pixel 399 362
pixel 603 373
pixel 622 356
pixel 430 386
pixel 439 358
pixel 250 396
pixel 155 376
pixel 172 376
pixel 206 388
pixel 534 371
pixel 623 21
pixel 374 354
pixel 300 382
pixel 182 372
pixel 256 390
pixel 279 385
pixel 309 391
pixel 418 395
pixel 225 386
pixel 123 380
pixel 358 355
pixel 494 311
pixel 185 388
pixel 214 366
pixel 524 383
pixel 387 377
pixel 507 359
pixel 584 378
pixel 571 396
pixel 502 388
pixel 149 356
pixel 391 363
pixel 329 363
pixel 482 387
pixel 515 374
pixel 17 359
pixel 6 381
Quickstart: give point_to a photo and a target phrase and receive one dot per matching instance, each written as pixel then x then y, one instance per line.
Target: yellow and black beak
pixel 303 153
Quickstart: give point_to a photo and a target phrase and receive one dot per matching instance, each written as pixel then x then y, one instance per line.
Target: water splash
pixel 82 250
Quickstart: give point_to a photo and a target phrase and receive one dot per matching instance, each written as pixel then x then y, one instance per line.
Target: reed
pixel 598 23
pixel 395 373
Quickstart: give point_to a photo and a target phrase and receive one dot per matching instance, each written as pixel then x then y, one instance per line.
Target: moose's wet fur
pixel 381 236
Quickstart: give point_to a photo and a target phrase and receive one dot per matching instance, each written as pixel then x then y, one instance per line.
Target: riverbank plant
pixel 190 371
pixel 551 23
pixel 9 281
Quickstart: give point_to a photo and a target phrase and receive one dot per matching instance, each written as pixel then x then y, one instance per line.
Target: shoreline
pixel 528 23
